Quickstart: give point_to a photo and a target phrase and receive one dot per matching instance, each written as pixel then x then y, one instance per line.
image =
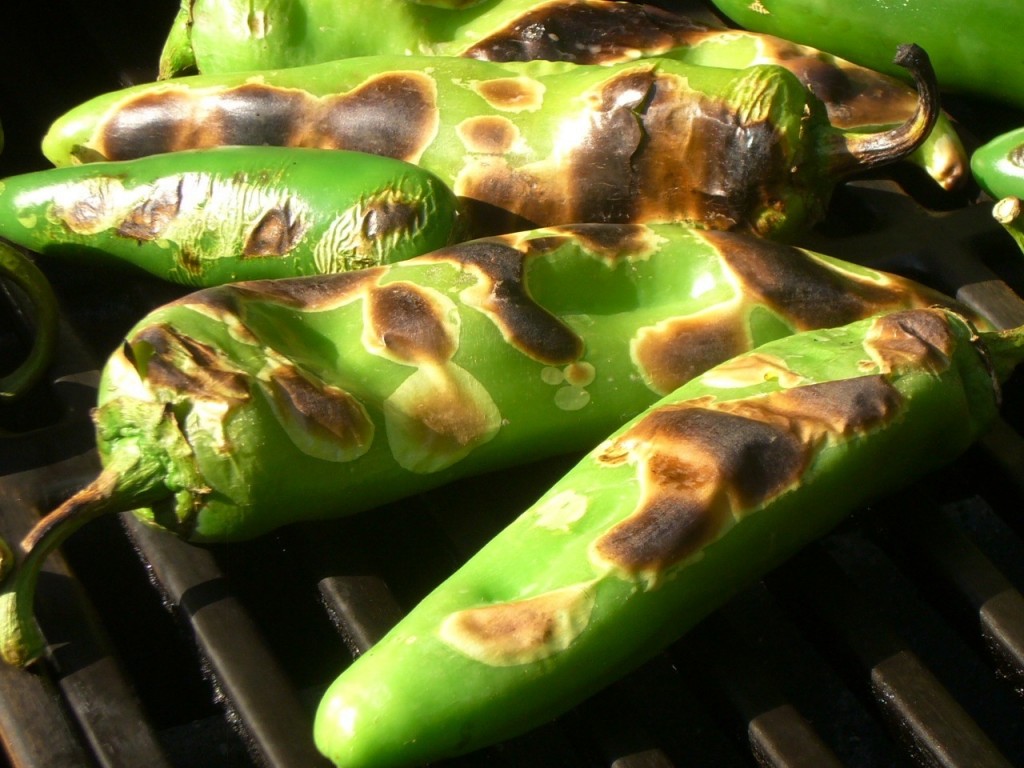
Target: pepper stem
pixel 20 269
pixel 851 152
pixel 116 489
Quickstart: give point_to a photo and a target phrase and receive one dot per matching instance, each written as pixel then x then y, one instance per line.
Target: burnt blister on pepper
pixel 545 143
pixel 240 408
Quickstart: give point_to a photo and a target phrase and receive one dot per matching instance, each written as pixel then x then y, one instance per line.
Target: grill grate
pixel 897 640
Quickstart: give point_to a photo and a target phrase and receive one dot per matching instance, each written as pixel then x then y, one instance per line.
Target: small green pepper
pixel 245 407
pixel 580 31
pixel 232 213
pixel 546 143
pixel 974 46
pixel 19 269
pixel 998 165
pixel 660 524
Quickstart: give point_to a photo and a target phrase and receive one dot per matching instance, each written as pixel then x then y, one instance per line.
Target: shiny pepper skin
pixel 659 525
pixel 531 143
pixel 244 407
pixel 212 216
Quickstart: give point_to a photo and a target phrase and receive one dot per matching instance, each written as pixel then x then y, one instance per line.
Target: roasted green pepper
pixel 20 270
pixel 248 406
pixel 233 213
pixel 580 31
pixel 660 524
pixel 974 46
pixel 546 143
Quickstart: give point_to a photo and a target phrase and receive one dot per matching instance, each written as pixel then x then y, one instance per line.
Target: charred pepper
pixel 545 143
pixel 580 31
pixel 212 216
pixel 19 269
pixel 973 46
pixel 248 406
pixel 660 524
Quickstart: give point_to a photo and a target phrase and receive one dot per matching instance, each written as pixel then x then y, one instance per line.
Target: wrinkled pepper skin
pixel 660 524
pixel 546 143
pixel 998 165
pixel 974 46
pixel 245 407
pixel 20 270
pixel 580 31
pixel 212 216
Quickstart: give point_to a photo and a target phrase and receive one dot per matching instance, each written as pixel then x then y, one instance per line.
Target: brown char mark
pixel 528 326
pixel 912 339
pixel 186 366
pixel 324 411
pixel 585 32
pixel 673 352
pixel 701 464
pixel 409 324
pixel 393 114
pixel 797 286
pixel 689 139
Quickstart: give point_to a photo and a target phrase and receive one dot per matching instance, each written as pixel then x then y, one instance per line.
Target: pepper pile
pixel 460 246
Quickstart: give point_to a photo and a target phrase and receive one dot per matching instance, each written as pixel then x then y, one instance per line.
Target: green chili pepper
pixel 973 46
pixel 660 524
pixel 19 269
pixel 998 165
pixel 545 142
pixel 581 31
pixel 233 213
pixel 248 406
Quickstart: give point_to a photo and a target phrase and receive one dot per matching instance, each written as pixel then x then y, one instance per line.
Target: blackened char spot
pixel 807 292
pixel 393 114
pixel 275 234
pixel 532 329
pixel 387 217
pixel 149 124
pixel 408 324
pixel 188 367
pixel 586 33
pixel 255 114
pixel 149 219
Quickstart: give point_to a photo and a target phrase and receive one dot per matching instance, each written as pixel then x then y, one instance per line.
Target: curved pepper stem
pixel 125 483
pixel 849 153
pixel 20 269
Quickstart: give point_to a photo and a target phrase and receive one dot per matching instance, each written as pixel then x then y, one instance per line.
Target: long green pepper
pixel 245 407
pixel 660 524
pixel 218 37
pixel 531 143
pixel 219 215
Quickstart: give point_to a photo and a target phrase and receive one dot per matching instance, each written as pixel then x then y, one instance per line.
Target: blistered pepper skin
pixel 661 523
pixel 215 38
pixel 219 215
pixel 543 143
pixel 980 58
pixel 241 408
